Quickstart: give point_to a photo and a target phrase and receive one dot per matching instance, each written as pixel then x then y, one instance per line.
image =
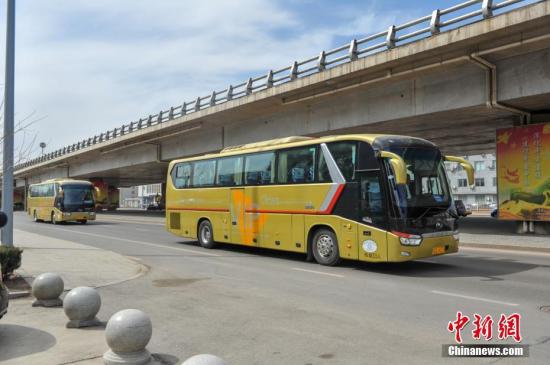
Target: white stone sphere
pixel 204 359
pixel 47 286
pixel 82 303
pixel 128 331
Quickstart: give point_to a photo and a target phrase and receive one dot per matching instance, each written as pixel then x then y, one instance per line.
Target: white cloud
pixel 94 65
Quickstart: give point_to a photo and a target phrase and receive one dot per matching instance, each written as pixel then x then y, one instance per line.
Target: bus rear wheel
pixel 206 235
pixel 325 247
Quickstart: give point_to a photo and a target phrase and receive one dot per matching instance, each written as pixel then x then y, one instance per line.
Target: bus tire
pixel 54 221
pixel 83 221
pixel 325 247
pixel 205 234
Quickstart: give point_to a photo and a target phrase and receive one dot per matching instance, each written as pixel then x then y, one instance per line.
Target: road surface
pixel 254 306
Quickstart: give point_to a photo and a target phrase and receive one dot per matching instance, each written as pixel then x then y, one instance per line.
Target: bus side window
pixel 181 175
pixel 345 156
pixel 296 166
pixel 203 173
pixel 372 201
pixel 259 169
pixel 229 171
pixel 50 191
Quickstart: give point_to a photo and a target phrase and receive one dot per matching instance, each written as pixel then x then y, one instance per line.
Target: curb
pixel 18 294
pixel 505 247
pixel 143 269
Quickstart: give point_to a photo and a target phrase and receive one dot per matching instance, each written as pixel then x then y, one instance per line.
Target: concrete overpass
pixel 435 77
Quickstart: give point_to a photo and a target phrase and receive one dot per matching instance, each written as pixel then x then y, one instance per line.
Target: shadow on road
pixel 17 341
pixel 453 265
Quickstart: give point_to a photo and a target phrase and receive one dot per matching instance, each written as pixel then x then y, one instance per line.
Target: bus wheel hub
pixel 325 246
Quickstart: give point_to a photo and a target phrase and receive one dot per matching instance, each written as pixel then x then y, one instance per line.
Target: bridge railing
pixel 439 20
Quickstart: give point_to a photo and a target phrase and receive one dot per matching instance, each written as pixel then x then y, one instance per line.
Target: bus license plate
pixel 438 250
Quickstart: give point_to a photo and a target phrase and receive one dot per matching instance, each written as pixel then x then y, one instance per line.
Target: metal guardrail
pixel 440 20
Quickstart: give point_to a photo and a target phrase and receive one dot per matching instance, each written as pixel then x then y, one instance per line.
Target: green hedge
pixel 10 260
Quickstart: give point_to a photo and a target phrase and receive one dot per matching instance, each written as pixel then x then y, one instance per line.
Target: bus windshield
pixel 77 196
pixel 426 192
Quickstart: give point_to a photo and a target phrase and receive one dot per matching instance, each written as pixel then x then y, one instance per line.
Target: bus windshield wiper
pixel 425 212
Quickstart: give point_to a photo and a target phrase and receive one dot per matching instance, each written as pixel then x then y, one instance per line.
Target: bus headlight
pixel 67 214
pixel 456 236
pixel 407 239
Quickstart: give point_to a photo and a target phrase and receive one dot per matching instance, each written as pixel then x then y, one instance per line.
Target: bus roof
pixel 378 141
pixel 65 181
pixel 270 142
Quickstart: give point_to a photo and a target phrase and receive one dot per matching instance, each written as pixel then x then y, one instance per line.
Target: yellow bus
pixel 379 198
pixel 61 200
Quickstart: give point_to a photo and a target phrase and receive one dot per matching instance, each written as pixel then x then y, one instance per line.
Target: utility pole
pixel 7 167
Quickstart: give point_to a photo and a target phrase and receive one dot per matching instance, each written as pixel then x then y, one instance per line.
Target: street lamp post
pixel 7 167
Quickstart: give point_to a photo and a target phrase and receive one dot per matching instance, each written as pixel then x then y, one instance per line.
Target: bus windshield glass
pixel 78 196
pixel 426 192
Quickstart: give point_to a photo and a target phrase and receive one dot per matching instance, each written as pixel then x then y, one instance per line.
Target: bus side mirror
pixel 466 165
pixel 398 165
pixel 461 209
pixel 3 219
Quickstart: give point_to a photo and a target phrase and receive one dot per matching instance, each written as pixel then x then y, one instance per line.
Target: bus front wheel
pixel 206 235
pixel 325 247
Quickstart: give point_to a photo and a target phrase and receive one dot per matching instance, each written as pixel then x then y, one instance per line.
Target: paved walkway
pixel 493 233
pixel 38 335
pixel 519 242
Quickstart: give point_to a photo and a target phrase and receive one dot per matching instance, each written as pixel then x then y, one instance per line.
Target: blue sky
pixel 83 66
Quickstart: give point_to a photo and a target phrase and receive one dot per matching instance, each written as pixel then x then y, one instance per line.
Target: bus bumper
pixel 429 247
pixel 75 216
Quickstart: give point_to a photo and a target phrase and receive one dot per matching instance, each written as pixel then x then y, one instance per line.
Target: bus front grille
pixel 175 221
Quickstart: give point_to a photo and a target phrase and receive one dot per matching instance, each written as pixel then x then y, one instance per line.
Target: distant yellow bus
pixel 61 200
pixel 379 198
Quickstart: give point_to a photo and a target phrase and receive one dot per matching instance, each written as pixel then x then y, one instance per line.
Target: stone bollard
pixel 127 333
pixel 47 288
pixel 81 305
pixel 204 359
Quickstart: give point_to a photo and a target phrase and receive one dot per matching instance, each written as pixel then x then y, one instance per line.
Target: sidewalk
pixel 486 232
pixel 526 242
pixel 38 335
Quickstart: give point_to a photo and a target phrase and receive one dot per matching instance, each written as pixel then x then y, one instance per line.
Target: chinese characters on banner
pixel 523 160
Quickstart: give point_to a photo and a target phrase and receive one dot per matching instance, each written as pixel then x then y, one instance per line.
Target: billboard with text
pixel 523 161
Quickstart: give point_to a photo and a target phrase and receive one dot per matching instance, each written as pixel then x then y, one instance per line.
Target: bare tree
pixel 27 146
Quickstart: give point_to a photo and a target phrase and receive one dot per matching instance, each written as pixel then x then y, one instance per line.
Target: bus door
pixel 372 213
pixel 237 210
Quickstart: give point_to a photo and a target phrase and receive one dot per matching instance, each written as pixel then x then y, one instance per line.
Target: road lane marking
pixel 318 272
pixel 114 220
pixel 473 298
pixel 140 242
